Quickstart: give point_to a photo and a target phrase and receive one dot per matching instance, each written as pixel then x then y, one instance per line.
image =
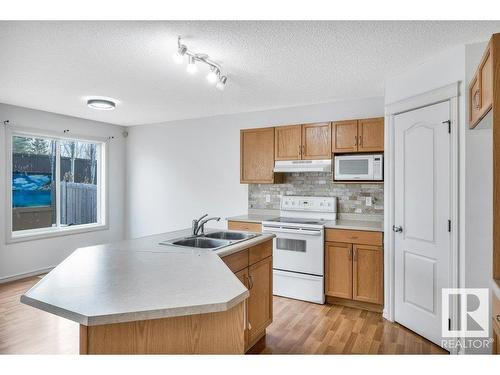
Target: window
pixel 57 185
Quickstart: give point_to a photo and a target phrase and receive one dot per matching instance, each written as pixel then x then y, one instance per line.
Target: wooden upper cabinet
pixel 366 135
pixel 257 156
pixel 481 89
pixel 316 141
pixel 345 136
pixel 367 274
pixel 371 134
pixel 288 142
pixel 338 263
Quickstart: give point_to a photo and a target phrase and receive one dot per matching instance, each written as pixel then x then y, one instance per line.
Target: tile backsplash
pixel 351 197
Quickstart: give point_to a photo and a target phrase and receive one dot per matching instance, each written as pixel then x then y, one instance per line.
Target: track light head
pixel 179 54
pixel 213 75
pixel 221 84
pixel 191 67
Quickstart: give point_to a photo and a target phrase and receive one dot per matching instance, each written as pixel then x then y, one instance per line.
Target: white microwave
pixel 359 167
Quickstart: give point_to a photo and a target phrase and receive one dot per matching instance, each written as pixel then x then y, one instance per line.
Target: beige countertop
pixel 140 279
pixel 368 225
pixel 252 218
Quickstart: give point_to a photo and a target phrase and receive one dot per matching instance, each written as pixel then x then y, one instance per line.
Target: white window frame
pixel 102 187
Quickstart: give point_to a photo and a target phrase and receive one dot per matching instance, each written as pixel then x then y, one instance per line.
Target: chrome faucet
pixel 199 225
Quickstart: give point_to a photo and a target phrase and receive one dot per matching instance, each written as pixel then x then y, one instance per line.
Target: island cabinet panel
pixel 371 135
pixel 258 278
pixel 257 156
pixel 345 136
pixel 338 261
pixel 260 303
pixel 243 277
pixel 211 333
pixel 316 141
pixel 244 226
pixel 237 261
pixel 288 142
pixel 259 252
pixel 367 275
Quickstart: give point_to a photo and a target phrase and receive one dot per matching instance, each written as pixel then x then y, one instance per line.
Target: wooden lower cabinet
pixel 354 271
pixel 254 268
pixel 338 263
pixel 260 302
pixel 496 324
pixel 244 226
pixel 367 275
pixel 496 338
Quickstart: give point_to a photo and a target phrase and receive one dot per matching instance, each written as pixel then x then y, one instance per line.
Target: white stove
pixel 298 248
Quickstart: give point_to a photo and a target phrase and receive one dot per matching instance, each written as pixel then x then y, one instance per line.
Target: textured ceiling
pixel 54 66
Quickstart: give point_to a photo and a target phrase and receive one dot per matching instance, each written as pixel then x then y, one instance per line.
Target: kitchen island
pixel 140 297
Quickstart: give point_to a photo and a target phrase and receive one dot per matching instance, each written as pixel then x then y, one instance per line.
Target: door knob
pixel 398 229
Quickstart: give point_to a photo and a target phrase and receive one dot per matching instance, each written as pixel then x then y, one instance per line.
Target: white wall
pixel 478 189
pixel 31 256
pixel 178 170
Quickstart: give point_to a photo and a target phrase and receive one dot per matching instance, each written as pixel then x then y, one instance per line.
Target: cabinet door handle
pixel 360 141
pixel 477 99
pixel 350 254
pixel 250 282
pixel 355 255
pixel 300 150
pixel 355 140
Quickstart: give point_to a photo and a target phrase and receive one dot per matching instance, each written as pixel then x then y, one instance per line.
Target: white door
pixel 422 210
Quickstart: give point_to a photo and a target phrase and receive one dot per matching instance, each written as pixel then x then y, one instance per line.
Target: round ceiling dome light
pixel 101 104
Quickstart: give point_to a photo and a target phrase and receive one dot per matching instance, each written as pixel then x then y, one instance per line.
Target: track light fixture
pixel 214 76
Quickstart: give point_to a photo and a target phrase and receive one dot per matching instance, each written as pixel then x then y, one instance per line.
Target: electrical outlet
pixel 369 201
pixel 268 198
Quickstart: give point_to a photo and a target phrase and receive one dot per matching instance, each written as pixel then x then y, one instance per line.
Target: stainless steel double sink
pixel 213 241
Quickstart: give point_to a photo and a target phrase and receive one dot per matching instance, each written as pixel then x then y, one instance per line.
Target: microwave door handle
pixel 293 231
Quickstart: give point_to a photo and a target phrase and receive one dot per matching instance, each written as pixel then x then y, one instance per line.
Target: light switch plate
pixel 369 201
pixel 268 198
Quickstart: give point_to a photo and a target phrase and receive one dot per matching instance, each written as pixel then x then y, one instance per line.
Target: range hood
pixel 303 165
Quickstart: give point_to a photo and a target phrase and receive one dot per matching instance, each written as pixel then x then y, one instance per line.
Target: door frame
pixel 449 93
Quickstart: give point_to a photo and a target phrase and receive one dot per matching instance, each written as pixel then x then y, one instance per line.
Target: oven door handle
pixel 292 231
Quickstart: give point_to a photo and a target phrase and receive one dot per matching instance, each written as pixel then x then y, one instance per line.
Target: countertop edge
pixel 167 313
pixel 58 311
pixel 263 237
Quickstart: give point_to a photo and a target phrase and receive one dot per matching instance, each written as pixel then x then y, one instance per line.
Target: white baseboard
pixel 25 275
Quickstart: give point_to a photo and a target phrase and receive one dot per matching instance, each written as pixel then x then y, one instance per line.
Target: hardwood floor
pixel 298 328
pixel 26 330
pixel 305 328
